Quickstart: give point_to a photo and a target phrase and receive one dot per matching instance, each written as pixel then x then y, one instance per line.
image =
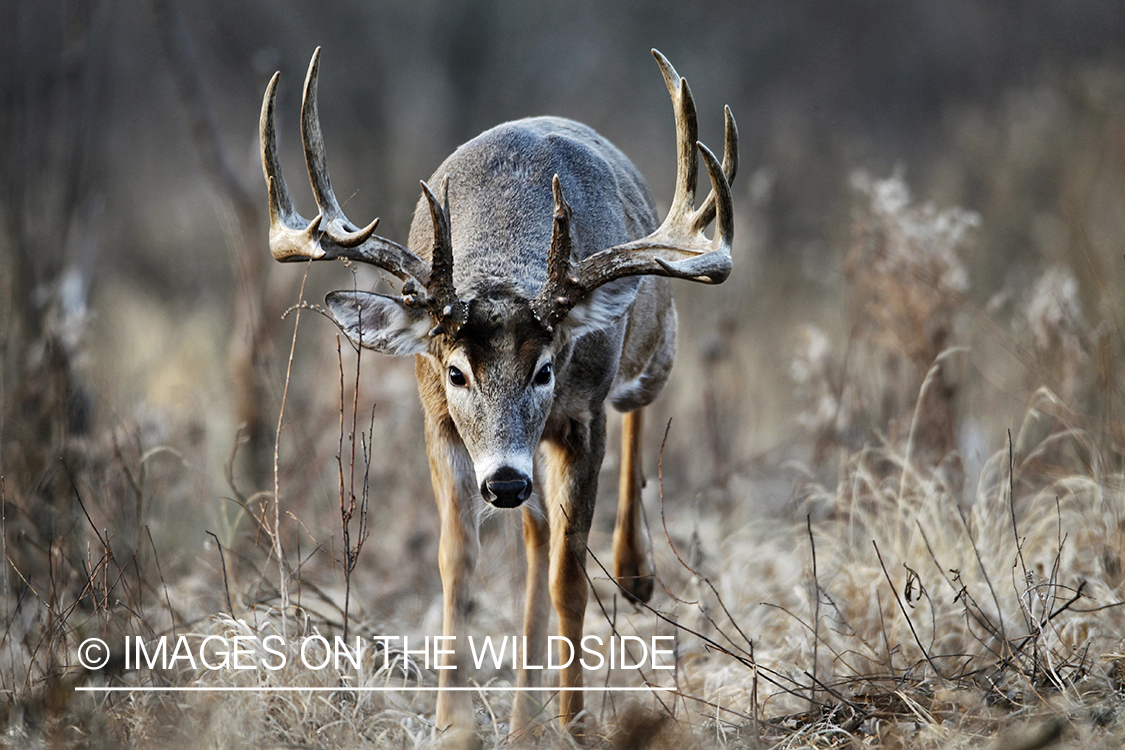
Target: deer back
pixel 500 204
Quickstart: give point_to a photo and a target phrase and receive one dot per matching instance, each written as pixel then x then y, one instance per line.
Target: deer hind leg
pixel 632 545
pixel 536 614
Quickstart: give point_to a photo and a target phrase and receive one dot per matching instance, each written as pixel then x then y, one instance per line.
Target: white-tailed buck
pixel 530 297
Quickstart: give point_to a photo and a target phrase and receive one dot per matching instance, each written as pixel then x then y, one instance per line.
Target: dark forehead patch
pixel 501 322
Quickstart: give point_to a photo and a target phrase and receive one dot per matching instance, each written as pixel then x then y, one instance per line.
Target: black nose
pixel 506 488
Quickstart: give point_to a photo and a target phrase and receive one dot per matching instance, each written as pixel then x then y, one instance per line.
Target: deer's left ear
pixel 382 323
pixel 602 308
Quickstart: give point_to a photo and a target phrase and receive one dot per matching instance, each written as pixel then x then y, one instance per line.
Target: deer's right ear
pixel 382 323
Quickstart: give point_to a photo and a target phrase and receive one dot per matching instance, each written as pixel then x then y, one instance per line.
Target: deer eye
pixel 543 377
pixel 457 378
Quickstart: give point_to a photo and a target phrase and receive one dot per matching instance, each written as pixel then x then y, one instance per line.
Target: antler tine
pixel 329 235
pixel 447 310
pixel 560 291
pixel 713 263
pixel 333 221
pixel 285 222
pixel 678 248
pixel 705 213
pixel 671 250
pixel 687 133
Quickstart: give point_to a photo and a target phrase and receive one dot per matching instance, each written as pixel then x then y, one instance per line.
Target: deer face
pixel 498 375
pixel 499 379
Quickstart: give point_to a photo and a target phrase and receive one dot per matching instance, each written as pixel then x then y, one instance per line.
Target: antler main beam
pixel 329 235
pixel 678 248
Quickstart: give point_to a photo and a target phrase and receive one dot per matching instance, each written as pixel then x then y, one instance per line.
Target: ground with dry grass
pixel 888 506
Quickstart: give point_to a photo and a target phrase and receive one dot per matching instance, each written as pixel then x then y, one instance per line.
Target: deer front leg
pixel 572 486
pixel 632 546
pixel 458 548
pixel 536 613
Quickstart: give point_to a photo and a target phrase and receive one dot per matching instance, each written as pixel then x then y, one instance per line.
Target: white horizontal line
pixel 292 689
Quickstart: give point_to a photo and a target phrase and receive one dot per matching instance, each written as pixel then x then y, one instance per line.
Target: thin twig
pixel 837 655
pixel 984 571
pixel 163 584
pixel 223 562
pixel 689 568
pixel 816 605
pixel 283 587
pixel 1015 527
pixel 906 614
pixel 771 676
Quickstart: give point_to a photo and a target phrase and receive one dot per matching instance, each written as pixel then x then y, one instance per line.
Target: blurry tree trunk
pixel 50 209
pixel 246 238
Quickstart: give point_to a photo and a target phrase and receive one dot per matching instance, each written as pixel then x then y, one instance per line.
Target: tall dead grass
pixel 928 607
pixel 941 577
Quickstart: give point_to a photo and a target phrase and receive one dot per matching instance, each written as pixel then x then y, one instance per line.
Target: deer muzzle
pixel 506 487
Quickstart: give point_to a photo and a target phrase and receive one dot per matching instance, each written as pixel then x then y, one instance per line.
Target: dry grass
pixel 943 575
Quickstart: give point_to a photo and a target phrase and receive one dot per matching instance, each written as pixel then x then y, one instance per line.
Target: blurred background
pixel 143 344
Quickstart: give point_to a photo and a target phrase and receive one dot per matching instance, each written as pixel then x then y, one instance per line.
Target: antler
pixel 678 248
pixel 448 311
pixel 330 234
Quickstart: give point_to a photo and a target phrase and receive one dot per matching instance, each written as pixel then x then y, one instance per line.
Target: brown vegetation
pixel 892 499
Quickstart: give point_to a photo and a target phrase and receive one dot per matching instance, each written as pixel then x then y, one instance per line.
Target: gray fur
pixel 500 201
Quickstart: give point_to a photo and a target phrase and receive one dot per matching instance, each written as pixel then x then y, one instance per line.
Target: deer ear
pixel 382 323
pixel 602 308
